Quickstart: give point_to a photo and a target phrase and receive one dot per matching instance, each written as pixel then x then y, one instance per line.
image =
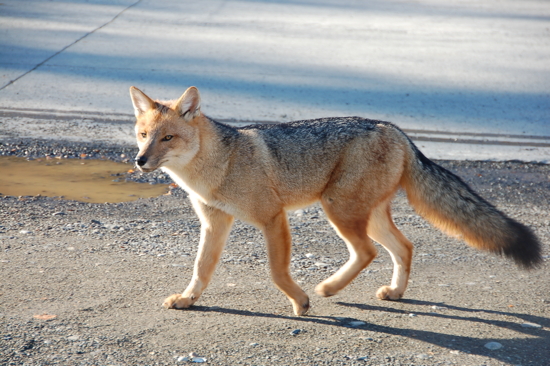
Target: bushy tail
pixel 451 205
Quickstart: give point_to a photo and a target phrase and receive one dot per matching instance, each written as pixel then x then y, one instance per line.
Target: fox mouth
pixel 148 166
pixel 144 170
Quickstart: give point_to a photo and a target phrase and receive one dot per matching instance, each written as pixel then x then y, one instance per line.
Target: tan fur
pixel 257 176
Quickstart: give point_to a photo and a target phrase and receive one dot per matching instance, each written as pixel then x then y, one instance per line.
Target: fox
pixel 353 166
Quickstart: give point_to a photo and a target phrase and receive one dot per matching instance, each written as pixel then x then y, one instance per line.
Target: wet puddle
pixel 95 181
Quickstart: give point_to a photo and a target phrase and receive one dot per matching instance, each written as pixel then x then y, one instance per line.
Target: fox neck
pixel 206 171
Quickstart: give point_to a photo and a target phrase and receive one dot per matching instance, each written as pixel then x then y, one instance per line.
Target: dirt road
pixel 82 284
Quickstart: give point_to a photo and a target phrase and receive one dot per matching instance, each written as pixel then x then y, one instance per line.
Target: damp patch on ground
pixel 85 180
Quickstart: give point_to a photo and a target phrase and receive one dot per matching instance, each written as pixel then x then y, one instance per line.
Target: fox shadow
pixel 517 349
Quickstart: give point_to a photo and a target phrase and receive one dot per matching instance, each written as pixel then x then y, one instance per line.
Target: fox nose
pixel 141 160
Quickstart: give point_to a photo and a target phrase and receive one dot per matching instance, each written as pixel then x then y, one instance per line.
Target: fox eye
pixel 167 138
pixel 143 134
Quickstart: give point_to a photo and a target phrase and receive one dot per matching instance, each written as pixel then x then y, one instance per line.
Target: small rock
pixel 493 346
pixel 310 255
pixel 321 264
pixel 253 344
pixel 24 232
pixel 45 316
pixel 73 338
pixel 423 356
pixel 412 315
pixel 193 357
pixel 356 323
pixel 531 325
pixel 364 358
pixel 296 332
pixel 439 307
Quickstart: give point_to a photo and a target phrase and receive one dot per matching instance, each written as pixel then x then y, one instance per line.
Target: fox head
pixel 166 132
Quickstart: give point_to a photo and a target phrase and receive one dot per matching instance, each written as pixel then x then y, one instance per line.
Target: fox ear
pixel 142 103
pixel 189 104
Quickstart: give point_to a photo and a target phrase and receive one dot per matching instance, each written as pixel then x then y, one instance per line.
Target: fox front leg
pixel 277 234
pixel 215 228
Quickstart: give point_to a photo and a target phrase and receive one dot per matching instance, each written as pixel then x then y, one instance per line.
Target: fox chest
pixel 214 198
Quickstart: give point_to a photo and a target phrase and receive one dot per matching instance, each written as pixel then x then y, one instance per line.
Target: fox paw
pixel 302 308
pixel 388 293
pixel 177 301
pixel 325 290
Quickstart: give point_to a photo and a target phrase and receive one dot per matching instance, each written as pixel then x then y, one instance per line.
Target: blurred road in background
pixel 466 79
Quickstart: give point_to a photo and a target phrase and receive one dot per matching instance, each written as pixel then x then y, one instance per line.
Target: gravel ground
pixel 82 284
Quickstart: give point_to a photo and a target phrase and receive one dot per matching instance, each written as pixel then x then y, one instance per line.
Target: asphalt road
pixel 470 79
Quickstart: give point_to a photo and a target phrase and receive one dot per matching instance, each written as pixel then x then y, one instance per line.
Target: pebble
pixel 296 332
pixel 531 325
pixel 73 338
pixel 364 358
pixel 493 346
pixel 310 255
pixel 193 357
pixel 356 323
pixel 24 232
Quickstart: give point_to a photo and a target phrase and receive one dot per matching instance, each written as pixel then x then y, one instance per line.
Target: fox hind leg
pixel 382 229
pixel 353 230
